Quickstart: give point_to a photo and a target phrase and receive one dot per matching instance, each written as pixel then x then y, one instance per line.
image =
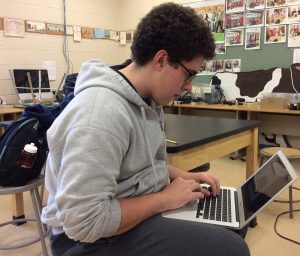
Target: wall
pixel 30 51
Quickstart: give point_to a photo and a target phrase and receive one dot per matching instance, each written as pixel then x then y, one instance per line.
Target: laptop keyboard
pixel 216 208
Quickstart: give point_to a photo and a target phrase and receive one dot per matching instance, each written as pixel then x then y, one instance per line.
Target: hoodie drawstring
pixel 148 147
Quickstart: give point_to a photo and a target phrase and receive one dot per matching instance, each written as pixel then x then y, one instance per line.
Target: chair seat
pixel 290 153
pixel 19 189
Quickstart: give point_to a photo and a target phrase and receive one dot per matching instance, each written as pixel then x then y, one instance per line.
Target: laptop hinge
pixel 236 207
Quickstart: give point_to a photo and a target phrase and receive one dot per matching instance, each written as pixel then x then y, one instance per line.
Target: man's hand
pixel 206 177
pixel 180 191
pixel 199 177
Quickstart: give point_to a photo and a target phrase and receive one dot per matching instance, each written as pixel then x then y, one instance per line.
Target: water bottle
pixel 27 156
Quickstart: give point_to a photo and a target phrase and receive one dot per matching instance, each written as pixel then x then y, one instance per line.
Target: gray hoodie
pixel 107 144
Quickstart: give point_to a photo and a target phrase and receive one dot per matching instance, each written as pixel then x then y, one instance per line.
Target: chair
pixel 43 231
pixel 292 154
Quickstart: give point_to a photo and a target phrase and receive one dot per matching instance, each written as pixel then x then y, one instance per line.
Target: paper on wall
pixel 77 33
pixel 296 58
pixel 51 67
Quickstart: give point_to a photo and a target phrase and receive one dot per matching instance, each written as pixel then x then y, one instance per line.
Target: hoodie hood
pixel 96 73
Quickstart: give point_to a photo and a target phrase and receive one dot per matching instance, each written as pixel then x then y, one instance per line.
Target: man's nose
pixel 188 87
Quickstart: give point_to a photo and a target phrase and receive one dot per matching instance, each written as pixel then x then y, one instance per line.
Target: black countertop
pixel 192 131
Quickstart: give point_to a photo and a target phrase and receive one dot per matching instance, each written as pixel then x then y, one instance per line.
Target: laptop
pixel 235 207
pixel 31 85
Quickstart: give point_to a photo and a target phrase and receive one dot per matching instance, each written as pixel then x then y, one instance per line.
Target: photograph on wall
pixel 255 4
pixel 99 33
pixel 234 37
pixel 218 66
pixel 14 27
pixel 254 18
pixel 220 48
pixel 235 6
pixel 129 36
pixel 236 65
pixel 87 32
pixel 275 34
pixel 114 35
pixel 69 31
pixel 252 38
pixel 211 67
pixel 276 16
pixel 55 29
pixel 206 68
pixel 228 65
pixel 1 24
pixel 275 3
pixel 234 20
pixel 213 14
pixel 293 2
pixel 293 14
pixel 294 35
pixel 35 27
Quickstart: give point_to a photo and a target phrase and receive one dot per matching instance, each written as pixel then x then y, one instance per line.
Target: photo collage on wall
pixel 249 23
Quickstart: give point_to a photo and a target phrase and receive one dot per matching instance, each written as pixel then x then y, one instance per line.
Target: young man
pixel 107 174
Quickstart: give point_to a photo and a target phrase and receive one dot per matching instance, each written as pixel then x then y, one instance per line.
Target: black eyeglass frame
pixel 191 74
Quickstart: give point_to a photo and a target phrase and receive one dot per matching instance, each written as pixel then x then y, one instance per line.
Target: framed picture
pixel 129 36
pixel 235 6
pixel 1 24
pixel 14 27
pixel 255 4
pixel 213 14
pixel 294 35
pixel 275 3
pixel 234 37
pixel 55 29
pixel 218 65
pixel 293 14
pixel 35 27
pixel 275 34
pixel 293 2
pixel 220 48
pixel 254 18
pixel 99 33
pixel 276 16
pixel 234 20
pixel 252 38
pixel 228 65
pixel 236 65
pixel 87 32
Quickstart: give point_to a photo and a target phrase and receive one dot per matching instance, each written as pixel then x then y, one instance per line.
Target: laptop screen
pixel 265 184
pixel 40 83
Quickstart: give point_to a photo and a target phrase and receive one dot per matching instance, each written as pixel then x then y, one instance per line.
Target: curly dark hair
pixel 176 29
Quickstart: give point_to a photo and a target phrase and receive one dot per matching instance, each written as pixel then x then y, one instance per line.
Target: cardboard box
pixel 275 103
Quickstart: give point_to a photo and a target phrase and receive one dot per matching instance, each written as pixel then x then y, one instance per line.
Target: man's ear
pixel 160 59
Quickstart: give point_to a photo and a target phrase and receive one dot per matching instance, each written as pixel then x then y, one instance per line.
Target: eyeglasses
pixel 190 74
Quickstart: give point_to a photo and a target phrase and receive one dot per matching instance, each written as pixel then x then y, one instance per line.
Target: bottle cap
pixel 30 148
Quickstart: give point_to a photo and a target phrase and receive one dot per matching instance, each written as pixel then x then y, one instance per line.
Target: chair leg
pixel 36 206
pixel 291 202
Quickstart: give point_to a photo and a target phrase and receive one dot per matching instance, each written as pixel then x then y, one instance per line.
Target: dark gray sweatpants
pixel 159 236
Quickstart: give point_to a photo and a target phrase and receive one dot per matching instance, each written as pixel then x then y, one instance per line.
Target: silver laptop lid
pixel 264 185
